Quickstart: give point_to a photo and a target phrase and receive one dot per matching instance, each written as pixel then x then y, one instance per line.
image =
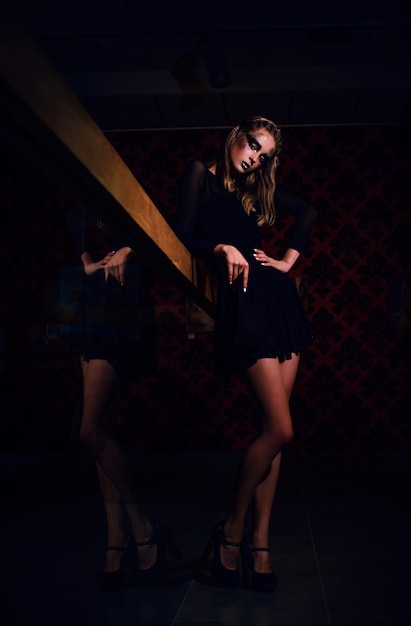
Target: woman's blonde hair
pixel 258 186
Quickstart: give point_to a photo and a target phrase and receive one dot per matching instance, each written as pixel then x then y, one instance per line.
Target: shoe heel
pixel 225 577
pixel 252 579
pixel 116 579
pixel 159 572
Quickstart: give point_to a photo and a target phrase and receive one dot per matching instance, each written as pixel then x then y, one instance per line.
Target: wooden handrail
pixel 42 118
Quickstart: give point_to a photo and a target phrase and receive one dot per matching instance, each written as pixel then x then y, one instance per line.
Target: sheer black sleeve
pixel 199 228
pixel 189 225
pixel 305 214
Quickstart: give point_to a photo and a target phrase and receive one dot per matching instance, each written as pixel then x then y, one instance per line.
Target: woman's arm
pixel 192 193
pixel 236 263
pixel 117 263
pixel 194 229
pixel 90 266
pixel 305 216
pixel 282 265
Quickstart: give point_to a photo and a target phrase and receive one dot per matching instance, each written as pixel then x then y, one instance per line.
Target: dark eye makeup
pixel 252 142
pixel 256 146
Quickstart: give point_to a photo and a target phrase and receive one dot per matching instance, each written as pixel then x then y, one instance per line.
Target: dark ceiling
pixel 185 64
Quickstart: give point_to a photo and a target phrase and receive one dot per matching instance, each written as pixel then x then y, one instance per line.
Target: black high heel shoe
pixel 226 577
pixel 256 581
pixel 118 579
pixel 159 572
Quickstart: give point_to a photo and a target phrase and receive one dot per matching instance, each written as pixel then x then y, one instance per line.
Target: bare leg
pixel 263 503
pixel 99 378
pixel 265 492
pixel 113 506
pixel 266 378
pixel 114 510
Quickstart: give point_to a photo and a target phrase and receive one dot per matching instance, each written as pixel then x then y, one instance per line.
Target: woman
pixel 113 349
pixel 261 326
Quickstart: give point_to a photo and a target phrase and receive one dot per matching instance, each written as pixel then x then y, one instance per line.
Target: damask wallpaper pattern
pixel 352 391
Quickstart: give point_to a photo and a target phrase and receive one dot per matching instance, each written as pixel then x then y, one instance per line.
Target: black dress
pixel 114 322
pixel 269 319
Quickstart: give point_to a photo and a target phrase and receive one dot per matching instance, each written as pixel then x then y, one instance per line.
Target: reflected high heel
pixel 226 577
pixel 256 581
pixel 159 572
pixel 117 579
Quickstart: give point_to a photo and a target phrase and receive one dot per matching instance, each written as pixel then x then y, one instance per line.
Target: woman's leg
pixel 113 505
pixel 99 378
pixel 267 381
pixel 265 492
pixel 116 529
pixel 263 503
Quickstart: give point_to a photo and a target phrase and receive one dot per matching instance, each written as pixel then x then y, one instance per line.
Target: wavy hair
pixel 256 188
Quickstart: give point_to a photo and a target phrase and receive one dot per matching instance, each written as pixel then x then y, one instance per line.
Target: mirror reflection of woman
pixel 261 327
pixel 115 347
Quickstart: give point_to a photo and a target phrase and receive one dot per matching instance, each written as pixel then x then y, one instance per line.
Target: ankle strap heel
pixel 117 579
pixel 256 581
pixel 159 572
pixel 224 576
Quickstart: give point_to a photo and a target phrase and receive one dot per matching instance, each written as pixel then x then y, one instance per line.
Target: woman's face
pixel 250 150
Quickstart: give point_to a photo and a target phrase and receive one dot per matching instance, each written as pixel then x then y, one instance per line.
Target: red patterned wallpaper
pixel 352 392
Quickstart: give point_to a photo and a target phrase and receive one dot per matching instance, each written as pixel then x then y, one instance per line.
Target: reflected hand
pixel 116 265
pixel 91 267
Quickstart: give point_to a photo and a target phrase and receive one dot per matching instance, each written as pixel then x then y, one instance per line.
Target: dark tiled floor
pixel 340 543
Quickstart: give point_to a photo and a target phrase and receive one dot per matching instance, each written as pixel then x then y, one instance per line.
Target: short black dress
pixel 268 320
pixel 114 322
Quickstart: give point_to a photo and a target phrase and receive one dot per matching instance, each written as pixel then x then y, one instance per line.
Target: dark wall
pixel 352 390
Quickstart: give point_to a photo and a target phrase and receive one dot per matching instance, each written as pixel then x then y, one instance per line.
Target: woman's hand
pixel 236 263
pixel 283 265
pixel 91 266
pixel 117 262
